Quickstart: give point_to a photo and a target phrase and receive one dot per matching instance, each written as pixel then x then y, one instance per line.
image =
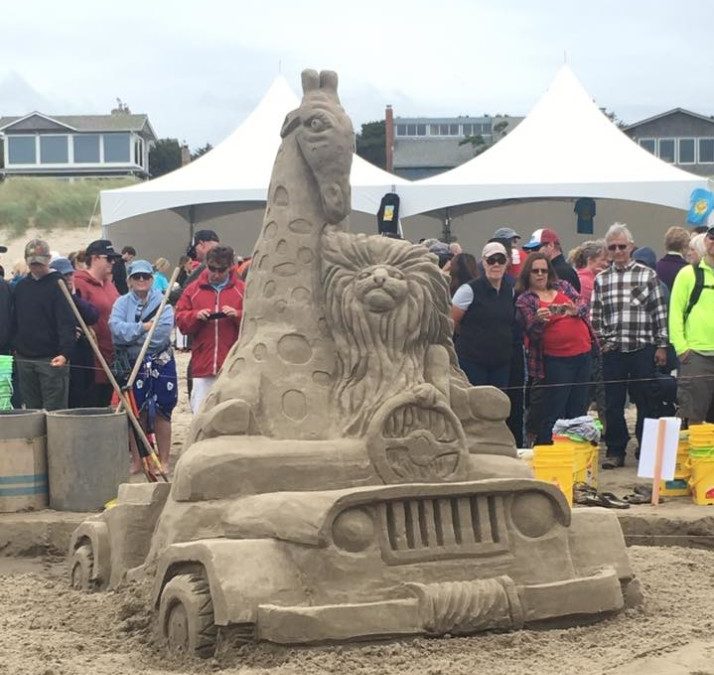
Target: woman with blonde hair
pixel 588 259
pixel 162 271
pixel 697 249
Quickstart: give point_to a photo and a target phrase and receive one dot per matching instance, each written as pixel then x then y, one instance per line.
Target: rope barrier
pixel 679 378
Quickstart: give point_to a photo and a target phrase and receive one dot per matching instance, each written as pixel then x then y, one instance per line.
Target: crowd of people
pixel 609 322
pixel 556 335
pixel 133 318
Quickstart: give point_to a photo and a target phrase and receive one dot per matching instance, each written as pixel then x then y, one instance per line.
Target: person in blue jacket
pixel 156 387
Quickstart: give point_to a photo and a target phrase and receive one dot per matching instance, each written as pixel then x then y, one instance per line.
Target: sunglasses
pixel 539 270
pixel 617 247
pixel 496 259
pixel 216 270
pixel 142 276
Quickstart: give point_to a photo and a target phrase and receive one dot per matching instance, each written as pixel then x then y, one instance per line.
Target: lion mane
pixel 381 344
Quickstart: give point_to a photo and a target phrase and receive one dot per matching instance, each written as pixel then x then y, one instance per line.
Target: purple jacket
pixel 668 266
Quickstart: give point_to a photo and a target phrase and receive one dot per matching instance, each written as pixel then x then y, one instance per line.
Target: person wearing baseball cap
pixel 547 241
pixel 509 234
pixel 44 332
pixel 95 285
pixel 81 376
pixel 483 312
pixel 201 243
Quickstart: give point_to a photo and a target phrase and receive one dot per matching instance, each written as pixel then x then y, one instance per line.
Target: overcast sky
pixel 197 69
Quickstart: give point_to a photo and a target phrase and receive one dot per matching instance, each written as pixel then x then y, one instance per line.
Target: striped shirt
pixel 629 310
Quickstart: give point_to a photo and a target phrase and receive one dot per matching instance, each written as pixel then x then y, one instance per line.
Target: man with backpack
pixel 691 329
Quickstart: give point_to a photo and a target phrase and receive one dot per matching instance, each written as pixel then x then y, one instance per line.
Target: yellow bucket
pixel 701 481
pixel 585 469
pixel 679 485
pixel 701 435
pixel 554 464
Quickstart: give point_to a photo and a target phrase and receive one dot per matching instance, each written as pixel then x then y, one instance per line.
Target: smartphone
pixel 557 309
pixel 217 315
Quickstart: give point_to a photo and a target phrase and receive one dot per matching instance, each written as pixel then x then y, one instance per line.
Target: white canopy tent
pixel 225 189
pixel 566 147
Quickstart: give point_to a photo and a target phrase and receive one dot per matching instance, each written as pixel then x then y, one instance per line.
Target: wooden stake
pixel 659 458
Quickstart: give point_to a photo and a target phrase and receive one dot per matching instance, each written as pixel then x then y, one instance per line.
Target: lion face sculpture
pixel 386 302
pixel 380 288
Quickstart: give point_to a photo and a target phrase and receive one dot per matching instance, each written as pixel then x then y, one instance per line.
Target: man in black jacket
pixel 43 332
pixel 547 241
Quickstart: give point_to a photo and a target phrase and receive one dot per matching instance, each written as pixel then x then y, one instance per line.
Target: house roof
pixel 96 123
pixel 666 114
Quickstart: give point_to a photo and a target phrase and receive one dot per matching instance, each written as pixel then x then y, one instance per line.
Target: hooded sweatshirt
pixel 43 322
pixel 102 296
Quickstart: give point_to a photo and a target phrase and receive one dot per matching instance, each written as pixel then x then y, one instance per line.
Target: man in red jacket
pixel 210 310
pixel 95 286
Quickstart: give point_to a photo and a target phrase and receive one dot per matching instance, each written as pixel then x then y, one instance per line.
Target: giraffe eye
pixel 316 124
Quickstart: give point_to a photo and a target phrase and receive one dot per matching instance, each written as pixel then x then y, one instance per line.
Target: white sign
pixel 648 448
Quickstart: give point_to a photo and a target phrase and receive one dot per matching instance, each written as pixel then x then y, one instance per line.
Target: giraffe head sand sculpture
pixel 276 380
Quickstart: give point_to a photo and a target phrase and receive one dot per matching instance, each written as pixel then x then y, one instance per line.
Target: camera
pixel 558 309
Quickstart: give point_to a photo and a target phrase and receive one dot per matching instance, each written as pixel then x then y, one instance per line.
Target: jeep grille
pixel 419 528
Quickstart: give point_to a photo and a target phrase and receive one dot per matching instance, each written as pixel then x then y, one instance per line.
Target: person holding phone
pixel 560 340
pixel 210 311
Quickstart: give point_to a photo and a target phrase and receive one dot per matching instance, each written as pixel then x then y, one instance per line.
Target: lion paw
pixel 229 418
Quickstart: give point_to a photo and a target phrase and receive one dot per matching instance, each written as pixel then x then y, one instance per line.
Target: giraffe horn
pixel 310 80
pixel 328 80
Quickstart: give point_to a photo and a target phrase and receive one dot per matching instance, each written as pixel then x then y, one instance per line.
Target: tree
pixel 480 144
pixel 371 143
pixel 121 109
pixel 201 151
pixel 612 116
pixel 165 156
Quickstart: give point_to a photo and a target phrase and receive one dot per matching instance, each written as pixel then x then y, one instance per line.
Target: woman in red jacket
pixel 210 310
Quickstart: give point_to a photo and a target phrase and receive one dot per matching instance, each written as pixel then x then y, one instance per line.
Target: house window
pixel 421 129
pixel 434 130
pixel 706 150
pixel 53 150
pixel 86 149
pixel 138 152
pixel 401 129
pixel 116 147
pixel 411 129
pixel 666 149
pixel 21 150
pixel 467 130
pixel 648 144
pixel 453 130
pixel 686 151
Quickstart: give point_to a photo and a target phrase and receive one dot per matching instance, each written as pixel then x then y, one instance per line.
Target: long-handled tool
pixel 138 430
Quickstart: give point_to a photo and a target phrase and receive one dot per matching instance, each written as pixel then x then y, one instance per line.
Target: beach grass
pixel 48 203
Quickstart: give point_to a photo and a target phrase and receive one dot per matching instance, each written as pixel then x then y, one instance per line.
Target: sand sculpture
pixel 343 480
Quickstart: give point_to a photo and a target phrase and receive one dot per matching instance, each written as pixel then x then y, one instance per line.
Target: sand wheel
pixel 185 618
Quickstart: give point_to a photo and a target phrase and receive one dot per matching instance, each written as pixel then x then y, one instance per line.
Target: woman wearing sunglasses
pixel 155 389
pixel 483 315
pixel 560 341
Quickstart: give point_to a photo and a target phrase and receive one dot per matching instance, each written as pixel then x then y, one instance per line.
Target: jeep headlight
pixel 533 513
pixel 353 530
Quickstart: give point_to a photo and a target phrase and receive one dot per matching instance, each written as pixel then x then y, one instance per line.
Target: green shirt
pixel 698 333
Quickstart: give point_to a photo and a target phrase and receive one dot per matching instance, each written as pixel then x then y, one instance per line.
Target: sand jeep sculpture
pixel 343 480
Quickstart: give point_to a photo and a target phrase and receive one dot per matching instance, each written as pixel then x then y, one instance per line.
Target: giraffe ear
pixel 292 120
pixel 328 80
pixel 310 80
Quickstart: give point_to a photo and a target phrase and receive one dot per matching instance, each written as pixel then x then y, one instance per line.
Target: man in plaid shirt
pixel 629 316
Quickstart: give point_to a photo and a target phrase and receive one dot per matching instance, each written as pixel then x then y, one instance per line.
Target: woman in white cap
pixel 484 315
